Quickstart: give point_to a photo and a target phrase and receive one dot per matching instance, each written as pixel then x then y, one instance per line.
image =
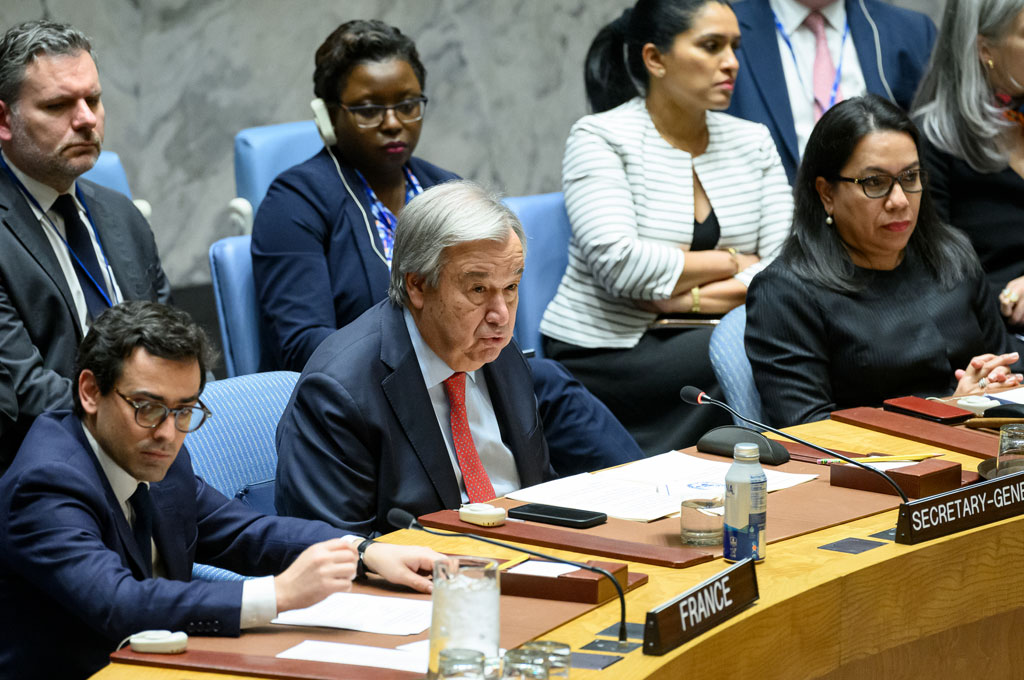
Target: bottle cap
pixel 746 451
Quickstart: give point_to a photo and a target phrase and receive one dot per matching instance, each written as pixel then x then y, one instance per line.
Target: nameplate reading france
pixel 966 508
pixel 701 608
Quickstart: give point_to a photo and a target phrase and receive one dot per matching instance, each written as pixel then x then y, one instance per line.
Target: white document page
pixel 1016 395
pixel 542 568
pixel 413 660
pixel 368 613
pixel 647 489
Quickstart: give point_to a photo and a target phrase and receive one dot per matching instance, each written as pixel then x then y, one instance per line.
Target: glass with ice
pixel 465 607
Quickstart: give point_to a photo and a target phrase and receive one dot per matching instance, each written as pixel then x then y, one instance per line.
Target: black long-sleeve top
pixel 814 350
pixel 988 207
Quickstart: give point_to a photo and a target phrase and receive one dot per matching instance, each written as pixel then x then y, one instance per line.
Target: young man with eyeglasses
pixel 102 517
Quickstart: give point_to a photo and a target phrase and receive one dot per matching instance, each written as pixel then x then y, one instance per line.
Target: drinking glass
pixel 1011 450
pixel 465 607
pixel 521 664
pixel 700 521
pixel 555 655
pixel 455 663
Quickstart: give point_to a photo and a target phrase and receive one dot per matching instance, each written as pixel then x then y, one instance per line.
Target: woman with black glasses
pixel 872 296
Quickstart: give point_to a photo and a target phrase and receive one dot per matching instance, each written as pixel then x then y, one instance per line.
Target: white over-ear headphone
pixel 325 126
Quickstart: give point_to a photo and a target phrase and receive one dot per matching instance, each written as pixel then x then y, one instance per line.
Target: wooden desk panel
pixel 949 608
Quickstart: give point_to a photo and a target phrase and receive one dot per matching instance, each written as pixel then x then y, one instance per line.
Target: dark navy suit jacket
pixel 71 579
pixel 316 270
pixel 905 38
pixel 360 437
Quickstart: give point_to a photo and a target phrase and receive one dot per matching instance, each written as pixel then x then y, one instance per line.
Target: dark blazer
pixel 313 261
pixel 905 38
pixel 39 328
pixel 71 584
pixel 316 271
pixel 359 436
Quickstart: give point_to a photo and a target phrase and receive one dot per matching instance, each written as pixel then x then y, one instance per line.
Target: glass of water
pixel 465 607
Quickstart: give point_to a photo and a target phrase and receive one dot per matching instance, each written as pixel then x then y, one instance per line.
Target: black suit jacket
pixel 359 435
pixel 905 41
pixel 39 327
pixel 71 578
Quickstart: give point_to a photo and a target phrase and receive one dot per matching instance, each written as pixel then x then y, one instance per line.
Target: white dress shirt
pixel 52 225
pixel 798 65
pixel 497 459
pixel 259 597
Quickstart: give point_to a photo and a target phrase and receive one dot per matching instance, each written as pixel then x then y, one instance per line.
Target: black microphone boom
pixel 405 520
pixel 694 395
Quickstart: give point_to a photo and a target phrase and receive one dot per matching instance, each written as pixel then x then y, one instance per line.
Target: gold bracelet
pixel 695 295
pixel 735 259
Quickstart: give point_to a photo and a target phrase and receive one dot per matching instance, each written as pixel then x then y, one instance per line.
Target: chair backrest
pixel 547 255
pixel 235 447
pixel 108 172
pixel 731 366
pixel 262 153
pixel 235 294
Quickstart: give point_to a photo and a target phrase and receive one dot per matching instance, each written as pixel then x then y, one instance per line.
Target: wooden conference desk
pixel 948 608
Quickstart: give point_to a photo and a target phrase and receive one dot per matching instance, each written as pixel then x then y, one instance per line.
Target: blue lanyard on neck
pixel 78 193
pixel 796 63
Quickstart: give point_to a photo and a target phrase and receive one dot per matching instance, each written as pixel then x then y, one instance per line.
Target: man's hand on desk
pixel 322 569
pixel 402 564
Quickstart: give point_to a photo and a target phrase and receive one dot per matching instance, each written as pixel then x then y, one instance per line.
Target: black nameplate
pixel 966 508
pixel 701 608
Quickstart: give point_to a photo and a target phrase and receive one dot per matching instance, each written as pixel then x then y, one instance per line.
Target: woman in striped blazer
pixel 674 207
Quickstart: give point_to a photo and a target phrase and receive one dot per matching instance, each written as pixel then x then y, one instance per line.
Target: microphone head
pixel 402 519
pixel 691 394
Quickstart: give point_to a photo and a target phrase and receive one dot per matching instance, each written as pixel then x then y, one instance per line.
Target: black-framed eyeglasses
pixel 880 186
pixel 372 115
pixel 151 414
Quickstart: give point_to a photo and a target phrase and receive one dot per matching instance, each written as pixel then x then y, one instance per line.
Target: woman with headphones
pixel 322 238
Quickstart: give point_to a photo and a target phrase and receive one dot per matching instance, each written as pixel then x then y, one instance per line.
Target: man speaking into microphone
pixel 423 402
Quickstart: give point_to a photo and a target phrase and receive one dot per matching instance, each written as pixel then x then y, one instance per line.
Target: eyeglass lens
pixel 152 414
pixel 372 115
pixel 880 185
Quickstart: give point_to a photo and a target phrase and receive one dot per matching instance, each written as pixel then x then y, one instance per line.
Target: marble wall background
pixel 181 77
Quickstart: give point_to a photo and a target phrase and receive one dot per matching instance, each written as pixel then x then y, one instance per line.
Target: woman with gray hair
pixel 968 109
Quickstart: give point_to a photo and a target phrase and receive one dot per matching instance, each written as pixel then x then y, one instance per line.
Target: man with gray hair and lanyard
pixel 423 402
pixel 69 249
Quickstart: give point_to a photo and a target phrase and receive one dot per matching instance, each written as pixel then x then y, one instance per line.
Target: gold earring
pixel 990 65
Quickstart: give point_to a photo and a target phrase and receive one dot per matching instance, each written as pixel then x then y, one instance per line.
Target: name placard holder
pixel 966 508
pixel 701 608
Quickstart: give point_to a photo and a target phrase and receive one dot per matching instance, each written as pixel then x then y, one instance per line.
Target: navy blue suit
pixel 71 579
pixel 359 435
pixel 316 269
pixel 905 38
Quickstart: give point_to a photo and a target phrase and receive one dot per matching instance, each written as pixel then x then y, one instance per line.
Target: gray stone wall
pixel 181 77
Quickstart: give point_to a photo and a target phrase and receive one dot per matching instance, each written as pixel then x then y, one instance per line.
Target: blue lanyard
pixel 78 193
pixel 796 63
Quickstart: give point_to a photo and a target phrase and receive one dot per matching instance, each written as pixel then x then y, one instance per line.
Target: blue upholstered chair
pixel 547 255
pixel 731 366
pixel 262 153
pixel 235 295
pixel 109 172
pixel 234 450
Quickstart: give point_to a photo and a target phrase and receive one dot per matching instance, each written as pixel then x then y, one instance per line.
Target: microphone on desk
pixel 694 395
pixel 405 520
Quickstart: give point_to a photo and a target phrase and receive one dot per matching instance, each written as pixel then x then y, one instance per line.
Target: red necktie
pixel 478 484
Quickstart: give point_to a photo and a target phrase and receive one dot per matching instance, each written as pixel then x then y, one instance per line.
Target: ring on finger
pixel 983 383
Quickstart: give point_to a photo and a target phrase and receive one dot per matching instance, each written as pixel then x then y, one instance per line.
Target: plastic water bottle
pixel 746 506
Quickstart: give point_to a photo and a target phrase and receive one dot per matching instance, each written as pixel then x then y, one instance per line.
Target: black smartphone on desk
pixel 553 514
